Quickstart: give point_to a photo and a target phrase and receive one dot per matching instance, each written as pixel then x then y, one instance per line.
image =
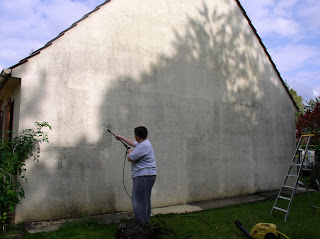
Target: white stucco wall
pixel 192 72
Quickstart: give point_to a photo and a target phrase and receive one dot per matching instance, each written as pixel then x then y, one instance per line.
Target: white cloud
pixel 303 90
pixel 257 9
pixel 306 83
pixel 291 57
pixel 273 17
pixel 287 3
pixel 309 14
pixel 29 24
pixel 68 12
pixel 279 26
pixel 285 8
pixel 15 49
pixel 287 18
pixel 315 93
pixel 291 28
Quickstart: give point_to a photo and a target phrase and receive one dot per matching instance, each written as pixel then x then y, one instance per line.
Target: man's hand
pixel 118 137
pixel 124 139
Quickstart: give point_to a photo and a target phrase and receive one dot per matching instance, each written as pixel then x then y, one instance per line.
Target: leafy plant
pixel 309 122
pixel 13 154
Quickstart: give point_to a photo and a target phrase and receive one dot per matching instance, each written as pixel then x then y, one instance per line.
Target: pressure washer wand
pixel 124 144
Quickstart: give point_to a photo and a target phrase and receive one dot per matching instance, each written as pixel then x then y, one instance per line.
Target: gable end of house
pixel 49 43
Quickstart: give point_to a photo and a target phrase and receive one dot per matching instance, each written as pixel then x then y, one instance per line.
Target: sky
pixel 290 30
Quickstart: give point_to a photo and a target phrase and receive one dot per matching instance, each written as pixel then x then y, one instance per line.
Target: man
pixel 143 170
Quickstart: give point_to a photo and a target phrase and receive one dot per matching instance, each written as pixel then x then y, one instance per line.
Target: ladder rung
pixel 286 186
pixel 280 209
pixel 291 175
pixel 284 198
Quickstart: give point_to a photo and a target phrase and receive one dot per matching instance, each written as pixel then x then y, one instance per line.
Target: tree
pixel 309 121
pixel 312 103
pixel 297 99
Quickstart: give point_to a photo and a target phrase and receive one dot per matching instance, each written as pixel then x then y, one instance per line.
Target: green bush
pixel 13 153
pixel 315 147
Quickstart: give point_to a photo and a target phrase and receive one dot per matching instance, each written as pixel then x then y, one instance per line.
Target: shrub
pixel 13 154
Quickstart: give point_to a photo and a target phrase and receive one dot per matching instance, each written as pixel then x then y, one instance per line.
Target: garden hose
pixel 283 235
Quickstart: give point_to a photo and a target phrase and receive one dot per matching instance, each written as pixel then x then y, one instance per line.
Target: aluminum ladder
pixel 291 180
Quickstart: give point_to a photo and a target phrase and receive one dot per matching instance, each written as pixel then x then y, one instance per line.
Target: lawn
pixel 218 223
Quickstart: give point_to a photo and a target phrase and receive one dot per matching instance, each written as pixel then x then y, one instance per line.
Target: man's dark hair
pixel 141 131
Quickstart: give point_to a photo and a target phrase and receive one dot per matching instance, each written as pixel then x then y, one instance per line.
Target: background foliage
pixel 309 121
pixel 13 154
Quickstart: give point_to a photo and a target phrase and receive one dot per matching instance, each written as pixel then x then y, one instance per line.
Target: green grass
pixel 217 223
pixel 301 224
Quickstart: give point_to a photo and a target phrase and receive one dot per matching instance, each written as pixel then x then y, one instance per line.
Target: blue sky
pixel 290 29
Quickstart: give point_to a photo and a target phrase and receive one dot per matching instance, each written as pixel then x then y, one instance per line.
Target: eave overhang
pixel 4 76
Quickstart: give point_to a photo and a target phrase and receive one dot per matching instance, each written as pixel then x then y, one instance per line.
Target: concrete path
pixel 45 226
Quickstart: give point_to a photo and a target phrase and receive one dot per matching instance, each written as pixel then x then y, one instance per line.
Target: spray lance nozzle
pixel 124 144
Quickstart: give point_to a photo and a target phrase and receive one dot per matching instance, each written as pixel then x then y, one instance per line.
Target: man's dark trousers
pixel 141 197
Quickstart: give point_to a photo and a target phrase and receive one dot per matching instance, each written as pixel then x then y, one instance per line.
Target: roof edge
pixel 266 51
pixel 49 43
